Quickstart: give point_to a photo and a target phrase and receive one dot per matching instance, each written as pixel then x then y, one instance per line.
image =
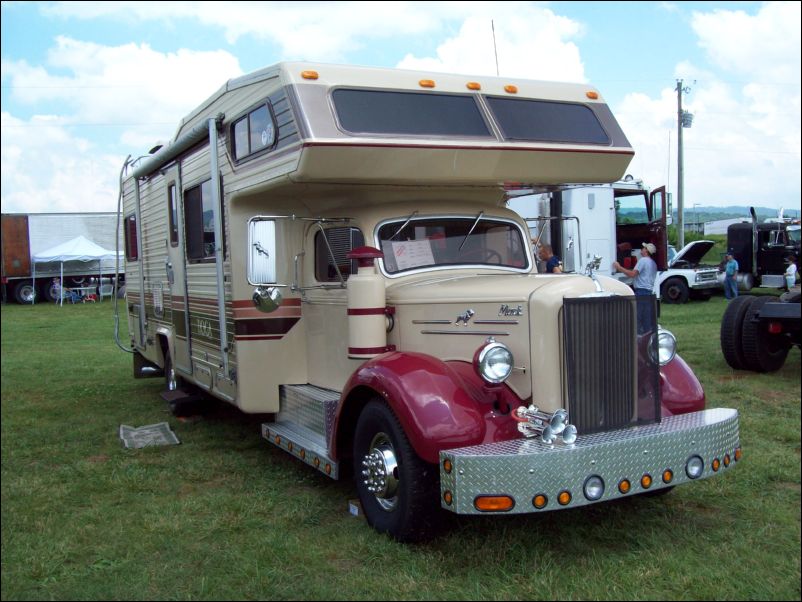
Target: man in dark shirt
pixel 553 263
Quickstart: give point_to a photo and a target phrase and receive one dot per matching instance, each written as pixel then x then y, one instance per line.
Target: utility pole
pixel 684 120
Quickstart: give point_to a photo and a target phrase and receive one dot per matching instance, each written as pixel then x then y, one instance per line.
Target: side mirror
pixel 261 252
pixel 267 299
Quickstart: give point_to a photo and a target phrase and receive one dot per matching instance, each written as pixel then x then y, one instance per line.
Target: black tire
pixel 763 352
pixel 674 290
pixel 405 505
pixel 732 331
pixel 24 292
pixel 50 291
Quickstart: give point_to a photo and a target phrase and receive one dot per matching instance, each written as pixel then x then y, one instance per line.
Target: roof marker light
pixel 473 86
pixel 426 83
pixel 510 89
pixel 309 74
pixel 593 95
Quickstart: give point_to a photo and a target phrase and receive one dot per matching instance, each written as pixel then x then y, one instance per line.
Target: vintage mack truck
pixel 330 246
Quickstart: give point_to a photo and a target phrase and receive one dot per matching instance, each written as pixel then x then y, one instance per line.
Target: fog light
pixel 540 501
pixel 624 486
pixel 694 467
pixel 594 488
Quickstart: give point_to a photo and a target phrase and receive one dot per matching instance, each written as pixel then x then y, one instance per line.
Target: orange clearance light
pixel 303 454
pixel 564 498
pixel 716 464
pixel 727 460
pixel 592 95
pixel 277 440
pixel 668 475
pixel 738 454
pixel 510 89
pixel 309 74
pixel 448 498
pixel 540 501
pixel 426 83
pixel 328 468
pixel 317 462
pixel 624 486
pixel 447 466
pixel 494 503
pixel 646 481
pixel 473 86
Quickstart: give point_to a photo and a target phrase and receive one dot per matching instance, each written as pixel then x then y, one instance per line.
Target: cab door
pixel 657 226
pixel 176 272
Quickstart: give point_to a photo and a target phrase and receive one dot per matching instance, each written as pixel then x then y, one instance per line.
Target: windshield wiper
pixel 478 217
pixel 406 223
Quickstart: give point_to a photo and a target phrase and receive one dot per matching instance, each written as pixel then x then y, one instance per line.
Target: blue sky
pixel 84 84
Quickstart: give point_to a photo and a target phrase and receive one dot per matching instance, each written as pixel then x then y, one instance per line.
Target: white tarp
pixel 79 248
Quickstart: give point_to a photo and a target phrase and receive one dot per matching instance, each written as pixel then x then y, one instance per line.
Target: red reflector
pixel 775 327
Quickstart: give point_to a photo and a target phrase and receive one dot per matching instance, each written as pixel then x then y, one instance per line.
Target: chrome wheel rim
pixel 380 472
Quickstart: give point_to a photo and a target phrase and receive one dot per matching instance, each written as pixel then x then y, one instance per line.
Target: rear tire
pixel 732 331
pixel 398 490
pixel 24 292
pixel 763 352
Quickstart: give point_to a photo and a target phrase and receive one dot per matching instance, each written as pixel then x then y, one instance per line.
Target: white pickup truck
pixel 686 276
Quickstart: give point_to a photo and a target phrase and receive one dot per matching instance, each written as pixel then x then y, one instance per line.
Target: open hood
pixel 693 252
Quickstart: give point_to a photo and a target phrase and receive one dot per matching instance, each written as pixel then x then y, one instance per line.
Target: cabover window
pixel 547 121
pixel 131 241
pixel 199 221
pixel 253 133
pixel 341 241
pixel 409 113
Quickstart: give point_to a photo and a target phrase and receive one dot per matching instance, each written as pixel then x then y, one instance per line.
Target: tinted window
pixel 173 212
pixel 199 221
pixel 131 246
pixel 408 113
pixel 542 120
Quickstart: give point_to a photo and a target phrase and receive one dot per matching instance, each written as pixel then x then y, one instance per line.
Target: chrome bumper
pixel 524 469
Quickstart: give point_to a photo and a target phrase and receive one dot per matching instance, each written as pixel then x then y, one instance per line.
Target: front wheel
pixel 674 290
pixel 399 491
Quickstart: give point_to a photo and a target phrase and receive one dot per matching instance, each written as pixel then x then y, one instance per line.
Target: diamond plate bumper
pixel 525 468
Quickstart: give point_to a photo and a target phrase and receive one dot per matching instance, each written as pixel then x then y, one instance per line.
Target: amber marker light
pixel 738 454
pixel 592 95
pixel 540 501
pixel 494 503
pixel 448 466
pixel 426 83
pixel 309 74
pixel 564 498
pixel 624 486
pixel 646 481
pixel 716 464
pixel 727 460
pixel 473 86
pixel 448 498
pixel 668 475
pixel 511 89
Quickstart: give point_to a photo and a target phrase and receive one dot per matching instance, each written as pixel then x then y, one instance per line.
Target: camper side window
pixel 341 241
pixel 131 243
pixel 199 222
pixel 254 132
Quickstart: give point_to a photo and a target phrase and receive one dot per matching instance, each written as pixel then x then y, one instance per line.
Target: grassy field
pixel 226 516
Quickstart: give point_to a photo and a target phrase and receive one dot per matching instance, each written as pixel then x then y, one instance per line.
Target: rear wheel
pixel 732 331
pixel 398 490
pixel 674 290
pixel 24 292
pixel 763 351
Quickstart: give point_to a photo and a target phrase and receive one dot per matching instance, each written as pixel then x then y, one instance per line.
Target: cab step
pixel 304 425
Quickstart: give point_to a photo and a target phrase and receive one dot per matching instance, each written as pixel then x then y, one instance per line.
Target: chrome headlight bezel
pixel 666 346
pixel 490 357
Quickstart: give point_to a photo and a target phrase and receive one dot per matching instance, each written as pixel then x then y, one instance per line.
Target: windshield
pixel 433 242
pixel 631 210
pixel 794 234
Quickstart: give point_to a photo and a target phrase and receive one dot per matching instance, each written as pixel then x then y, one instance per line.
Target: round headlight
pixel 694 467
pixel 666 347
pixel 494 362
pixel 594 488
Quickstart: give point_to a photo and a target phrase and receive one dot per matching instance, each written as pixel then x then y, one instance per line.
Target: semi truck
pixel 26 234
pixel 330 246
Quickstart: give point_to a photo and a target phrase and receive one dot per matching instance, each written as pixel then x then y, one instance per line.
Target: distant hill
pixel 702 213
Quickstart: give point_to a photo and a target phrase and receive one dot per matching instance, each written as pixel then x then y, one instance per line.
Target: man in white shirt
pixel 644 273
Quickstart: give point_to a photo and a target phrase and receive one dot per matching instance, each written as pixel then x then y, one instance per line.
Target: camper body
pixel 26 234
pixel 612 221
pixel 331 246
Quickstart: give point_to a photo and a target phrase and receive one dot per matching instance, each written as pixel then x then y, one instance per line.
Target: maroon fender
pixel 680 389
pixel 440 405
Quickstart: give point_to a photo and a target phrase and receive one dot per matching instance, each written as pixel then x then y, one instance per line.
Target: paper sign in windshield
pixel 410 254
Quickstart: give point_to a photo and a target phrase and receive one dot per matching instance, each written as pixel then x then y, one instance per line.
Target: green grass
pixel 226 516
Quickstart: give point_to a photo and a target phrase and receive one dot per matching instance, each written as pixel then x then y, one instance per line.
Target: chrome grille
pixel 610 376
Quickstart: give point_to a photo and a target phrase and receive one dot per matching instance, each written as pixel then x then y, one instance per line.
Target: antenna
pixel 495 50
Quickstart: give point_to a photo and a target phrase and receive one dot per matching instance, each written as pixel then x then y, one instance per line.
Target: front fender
pixel 437 403
pixel 680 390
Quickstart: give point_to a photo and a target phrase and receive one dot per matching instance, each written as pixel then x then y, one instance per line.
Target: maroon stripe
pixel 369 350
pixel 366 311
pixel 265 326
pixel 473 148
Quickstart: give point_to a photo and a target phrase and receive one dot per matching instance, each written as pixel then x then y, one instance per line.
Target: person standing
pixel 553 263
pixel 790 272
pixel 731 276
pixel 644 273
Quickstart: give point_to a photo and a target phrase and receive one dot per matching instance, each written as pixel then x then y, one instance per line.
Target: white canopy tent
pixel 79 248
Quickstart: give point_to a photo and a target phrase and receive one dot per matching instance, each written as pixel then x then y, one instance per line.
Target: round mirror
pixel 267 299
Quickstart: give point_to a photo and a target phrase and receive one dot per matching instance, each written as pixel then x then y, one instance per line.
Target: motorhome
pixel 331 246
